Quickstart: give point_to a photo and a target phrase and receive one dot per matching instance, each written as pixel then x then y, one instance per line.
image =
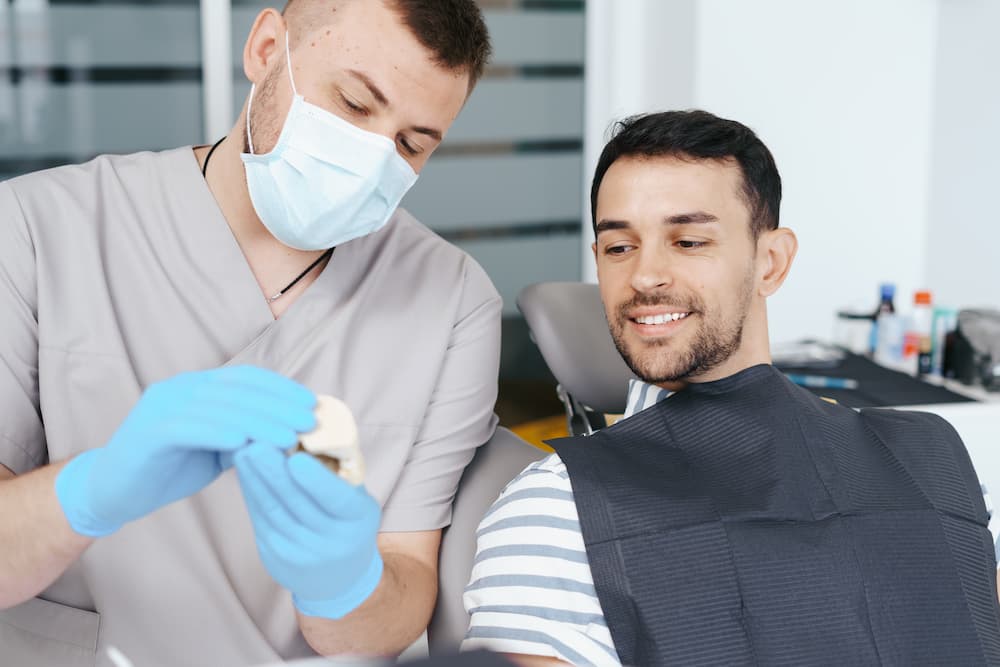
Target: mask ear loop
pixel 253 88
pixel 288 61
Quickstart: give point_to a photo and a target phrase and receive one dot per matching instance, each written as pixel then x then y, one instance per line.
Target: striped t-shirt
pixel 531 591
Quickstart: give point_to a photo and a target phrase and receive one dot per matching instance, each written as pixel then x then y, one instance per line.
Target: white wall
pixel 861 103
pixel 963 258
pixel 841 93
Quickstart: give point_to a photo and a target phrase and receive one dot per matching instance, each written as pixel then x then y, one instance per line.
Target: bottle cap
pixel 922 297
pixel 888 290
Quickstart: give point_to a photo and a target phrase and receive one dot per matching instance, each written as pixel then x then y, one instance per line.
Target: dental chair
pixel 495 464
pixel 568 325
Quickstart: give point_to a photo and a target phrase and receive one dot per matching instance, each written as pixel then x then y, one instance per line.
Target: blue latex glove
pixel 315 532
pixel 172 443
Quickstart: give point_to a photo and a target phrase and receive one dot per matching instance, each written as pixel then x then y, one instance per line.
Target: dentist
pixel 171 315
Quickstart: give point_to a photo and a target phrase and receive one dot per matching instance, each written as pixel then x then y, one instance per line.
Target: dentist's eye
pixel 355 108
pixel 409 148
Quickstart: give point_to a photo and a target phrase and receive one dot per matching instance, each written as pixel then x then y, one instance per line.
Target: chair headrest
pixel 568 324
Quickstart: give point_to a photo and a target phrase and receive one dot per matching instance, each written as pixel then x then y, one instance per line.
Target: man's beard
pixel 261 111
pixel 714 341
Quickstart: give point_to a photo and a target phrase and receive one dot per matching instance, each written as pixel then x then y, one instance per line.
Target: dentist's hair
pixel 454 31
pixel 698 135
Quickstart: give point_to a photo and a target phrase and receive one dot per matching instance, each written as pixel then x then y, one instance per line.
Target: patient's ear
pixel 776 250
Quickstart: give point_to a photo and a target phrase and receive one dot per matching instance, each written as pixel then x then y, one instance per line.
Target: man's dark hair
pixel 698 135
pixel 453 30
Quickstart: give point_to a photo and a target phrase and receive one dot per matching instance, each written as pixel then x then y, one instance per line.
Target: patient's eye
pixel 618 249
pixel 688 244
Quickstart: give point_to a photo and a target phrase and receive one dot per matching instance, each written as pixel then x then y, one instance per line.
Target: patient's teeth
pixel 661 319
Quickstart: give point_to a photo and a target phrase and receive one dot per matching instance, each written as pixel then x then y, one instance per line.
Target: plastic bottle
pixel 887 291
pixel 889 352
pixel 945 321
pixel 919 342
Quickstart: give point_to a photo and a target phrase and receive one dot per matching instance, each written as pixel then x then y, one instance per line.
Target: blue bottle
pixel 887 292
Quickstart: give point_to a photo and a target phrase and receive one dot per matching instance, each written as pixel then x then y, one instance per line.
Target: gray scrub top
pixel 122 272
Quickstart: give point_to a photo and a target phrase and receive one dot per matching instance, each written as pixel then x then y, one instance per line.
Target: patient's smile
pixel 655 323
pixel 660 319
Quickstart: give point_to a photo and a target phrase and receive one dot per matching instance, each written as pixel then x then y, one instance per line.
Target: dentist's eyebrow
pixel 690 218
pixel 430 132
pixel 370 85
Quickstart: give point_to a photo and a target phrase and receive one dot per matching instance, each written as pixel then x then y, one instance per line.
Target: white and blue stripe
pixel 642 396
pixel 531 590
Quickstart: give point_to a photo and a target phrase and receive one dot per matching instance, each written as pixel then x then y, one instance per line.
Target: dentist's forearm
pixel 36 543
pixel 387 622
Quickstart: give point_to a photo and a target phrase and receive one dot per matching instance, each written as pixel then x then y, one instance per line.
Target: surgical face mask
pixel 326 181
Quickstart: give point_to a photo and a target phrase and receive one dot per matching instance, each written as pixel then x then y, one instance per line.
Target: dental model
pixel 334 441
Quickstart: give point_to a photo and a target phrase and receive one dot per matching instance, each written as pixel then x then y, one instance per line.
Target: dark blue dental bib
pixel 748 522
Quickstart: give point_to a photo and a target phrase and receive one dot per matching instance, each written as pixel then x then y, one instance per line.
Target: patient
pixel 731 518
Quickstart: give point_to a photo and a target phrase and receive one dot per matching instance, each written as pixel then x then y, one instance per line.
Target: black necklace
pixel 276 295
